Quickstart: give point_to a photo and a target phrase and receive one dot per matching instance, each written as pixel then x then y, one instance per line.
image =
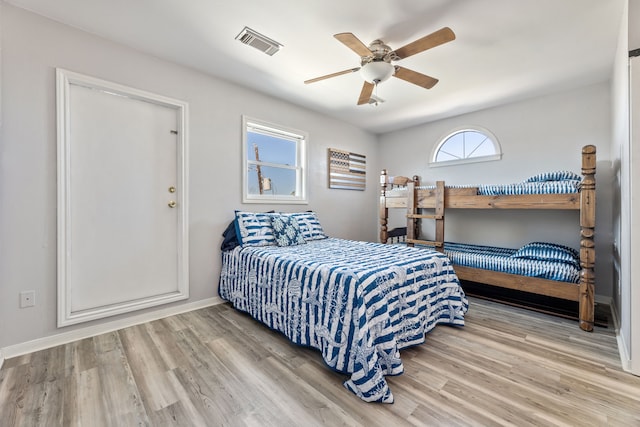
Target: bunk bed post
pixel 411 210
pixel 439 216
pixel 383 211
pixel 417 224
pixel 587 246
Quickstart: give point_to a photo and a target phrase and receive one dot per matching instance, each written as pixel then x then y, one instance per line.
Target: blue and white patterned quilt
pixel 359 303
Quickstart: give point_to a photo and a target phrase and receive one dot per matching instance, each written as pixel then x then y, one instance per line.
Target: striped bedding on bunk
pixel 544 260
pixel 557 182
pixel 551 187
pixel 359 303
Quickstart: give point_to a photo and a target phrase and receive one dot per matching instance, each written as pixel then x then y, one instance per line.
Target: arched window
pixel 466 145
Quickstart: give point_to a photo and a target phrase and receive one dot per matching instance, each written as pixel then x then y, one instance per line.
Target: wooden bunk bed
pixel 439 198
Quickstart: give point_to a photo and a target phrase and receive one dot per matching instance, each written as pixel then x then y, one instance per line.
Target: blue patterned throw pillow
pixel 309 225
pixel 254 229
pixel 286 230
pixel 548 252
pixel 554 176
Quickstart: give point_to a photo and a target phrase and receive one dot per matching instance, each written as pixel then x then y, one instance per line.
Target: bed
pixel 557 190
pixel 358 303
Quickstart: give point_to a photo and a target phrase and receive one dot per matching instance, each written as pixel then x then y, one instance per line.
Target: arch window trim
pixel 497 155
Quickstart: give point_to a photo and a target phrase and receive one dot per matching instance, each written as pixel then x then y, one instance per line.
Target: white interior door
pixel 124 205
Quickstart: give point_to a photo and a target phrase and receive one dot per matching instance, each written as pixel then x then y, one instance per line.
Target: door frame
pixel 64 80
pixel 632 221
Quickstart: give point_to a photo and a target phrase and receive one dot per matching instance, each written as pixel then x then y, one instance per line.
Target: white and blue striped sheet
pixel 545 187
pixel 359 303
pixel 503 260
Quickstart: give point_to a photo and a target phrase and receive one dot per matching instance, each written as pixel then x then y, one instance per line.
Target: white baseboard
pixel 90 331
pixel 625 359
pixel 615 315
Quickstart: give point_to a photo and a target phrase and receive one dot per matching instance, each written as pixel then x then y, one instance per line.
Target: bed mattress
pixel 359 303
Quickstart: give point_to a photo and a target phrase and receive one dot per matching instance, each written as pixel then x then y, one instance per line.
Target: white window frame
pixel 445 138
pixel 300 137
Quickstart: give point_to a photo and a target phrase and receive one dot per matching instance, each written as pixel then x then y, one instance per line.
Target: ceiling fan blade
pixel 414 77
pixel 328 76
pixel 353 43
pixel 365 94
pixel 437 38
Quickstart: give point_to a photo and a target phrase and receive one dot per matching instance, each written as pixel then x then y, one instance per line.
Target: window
pixel 466 145
pixel 274 163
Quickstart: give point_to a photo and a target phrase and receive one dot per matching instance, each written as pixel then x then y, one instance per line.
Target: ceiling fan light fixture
pixel 377 71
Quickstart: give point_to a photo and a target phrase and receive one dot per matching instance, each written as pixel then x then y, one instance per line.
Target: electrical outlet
pixel 27 299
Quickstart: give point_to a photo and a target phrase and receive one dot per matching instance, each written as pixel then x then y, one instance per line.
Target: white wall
pixel 537 135
pixel 632 24
pixel 32 47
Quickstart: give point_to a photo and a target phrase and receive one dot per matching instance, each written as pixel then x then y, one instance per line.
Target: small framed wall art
pixel 347 171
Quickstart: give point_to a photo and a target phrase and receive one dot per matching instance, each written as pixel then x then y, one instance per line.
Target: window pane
pixel 274 163
pixel 454 146
pixel 275 181
pixel 443 157
pixel 472 141
pixel 271 149
pixel 484 149
pixel 467 144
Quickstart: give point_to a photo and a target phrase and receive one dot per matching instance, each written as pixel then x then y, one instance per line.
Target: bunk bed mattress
pixel 359 303
pixel 503 260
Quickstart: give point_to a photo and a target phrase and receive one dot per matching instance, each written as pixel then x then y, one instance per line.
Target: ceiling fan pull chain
pixel 376 88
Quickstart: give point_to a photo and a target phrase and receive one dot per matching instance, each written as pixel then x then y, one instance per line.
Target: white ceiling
pixel 505 50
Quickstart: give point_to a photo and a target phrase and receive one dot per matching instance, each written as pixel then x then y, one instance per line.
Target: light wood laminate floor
pixel 218 367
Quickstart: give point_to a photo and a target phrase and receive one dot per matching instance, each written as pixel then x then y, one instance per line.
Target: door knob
pixel 172 204
pixel 172 189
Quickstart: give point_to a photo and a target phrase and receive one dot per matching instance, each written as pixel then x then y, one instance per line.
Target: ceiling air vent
pixel 257 40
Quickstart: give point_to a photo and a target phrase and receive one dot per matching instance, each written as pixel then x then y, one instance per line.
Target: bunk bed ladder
pixel 388 183
pixel 415 213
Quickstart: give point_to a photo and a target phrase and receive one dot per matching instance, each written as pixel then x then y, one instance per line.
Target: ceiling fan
pixel 375 61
